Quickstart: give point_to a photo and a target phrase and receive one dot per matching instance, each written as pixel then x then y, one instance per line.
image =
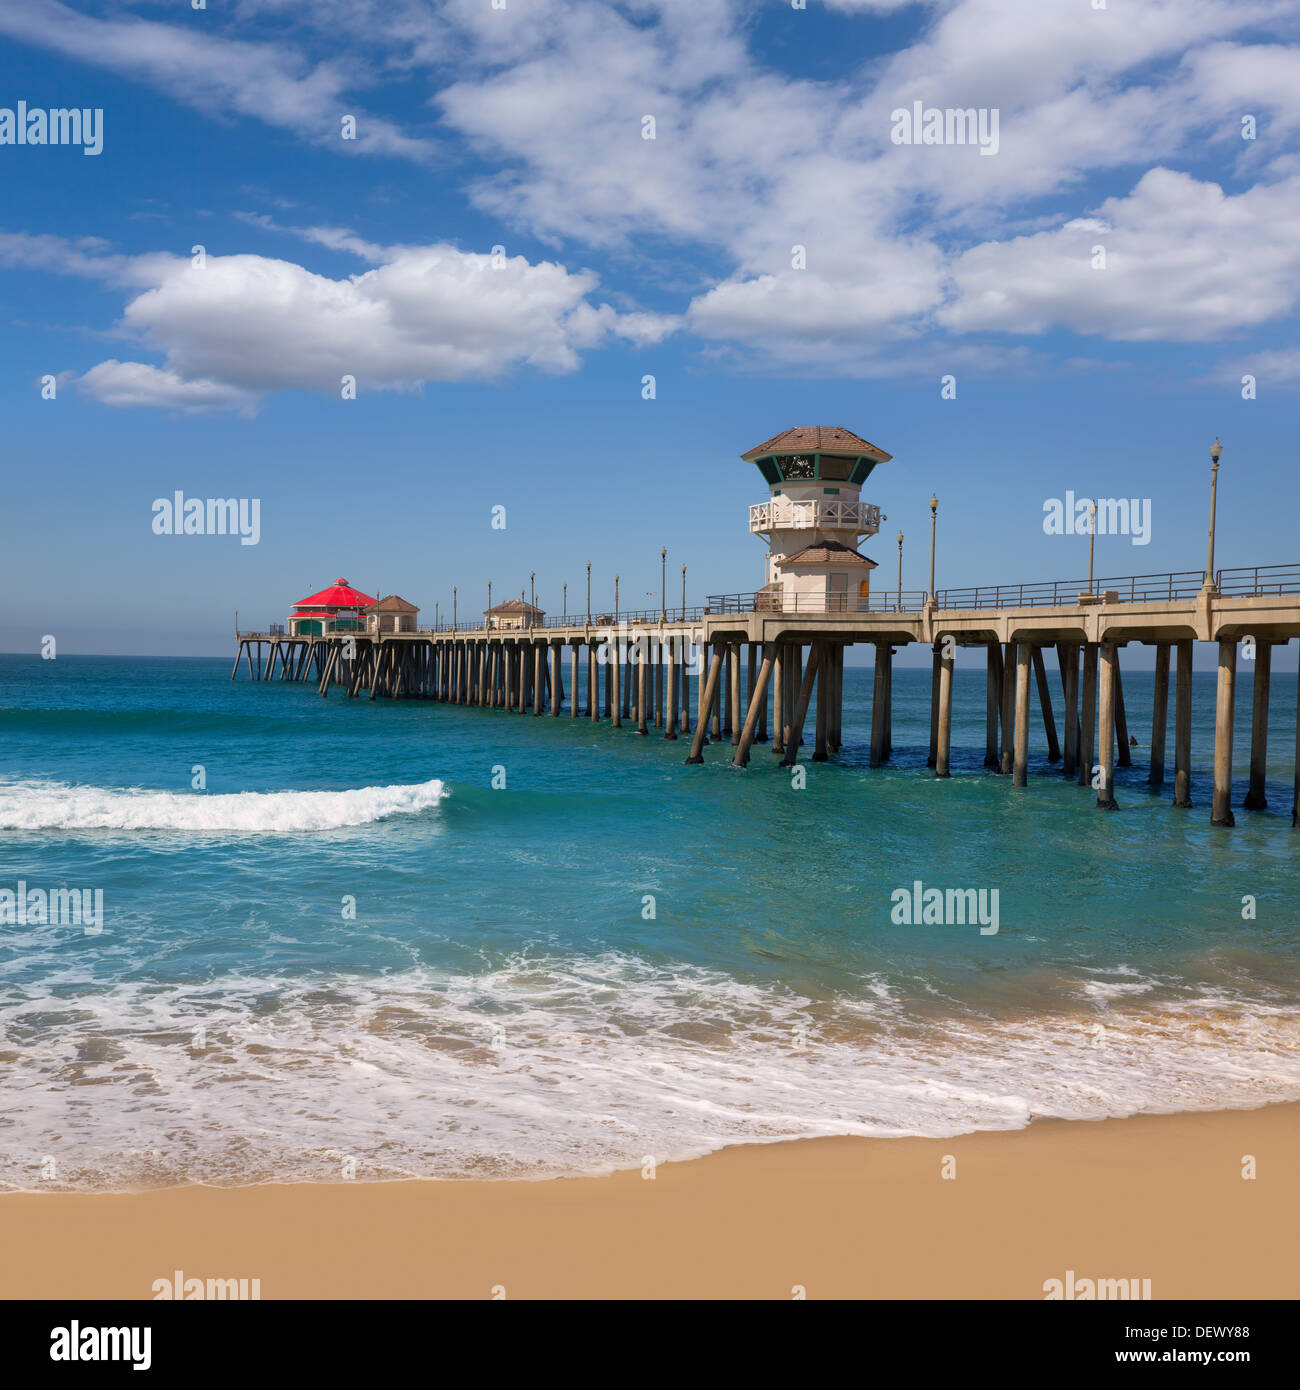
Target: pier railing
pixel 1064 593
pixel 1260 580
pixel 912 601
pixel 1244 582
pixel 605 617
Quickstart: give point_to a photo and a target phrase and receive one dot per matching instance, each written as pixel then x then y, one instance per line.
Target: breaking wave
pixel 60 806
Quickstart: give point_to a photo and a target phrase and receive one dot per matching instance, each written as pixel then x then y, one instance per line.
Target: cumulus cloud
pixel 136 383
pixel 748 162
pixel 267 81
pixel 1183 261
pixel 240 326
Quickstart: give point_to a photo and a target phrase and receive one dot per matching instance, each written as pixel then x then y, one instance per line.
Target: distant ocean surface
pixel 351 955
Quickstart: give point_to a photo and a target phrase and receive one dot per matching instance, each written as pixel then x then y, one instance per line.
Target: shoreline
pixel 1158 1197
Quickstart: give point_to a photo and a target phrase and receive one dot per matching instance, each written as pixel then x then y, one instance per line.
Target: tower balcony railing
pixel 787 514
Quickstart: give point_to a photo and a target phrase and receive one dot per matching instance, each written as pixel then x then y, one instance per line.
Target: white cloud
pixel 241 326
pixel 136 383
pixel 748 162
pixel 1183 262
pixel 269 82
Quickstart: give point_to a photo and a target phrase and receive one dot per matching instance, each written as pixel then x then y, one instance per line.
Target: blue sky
pixel 519 383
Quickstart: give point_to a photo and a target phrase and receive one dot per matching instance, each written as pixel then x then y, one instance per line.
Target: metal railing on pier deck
pixel 764 602
pixel 640 617
pixel 1244 582
pixel 1260 580
pixel 1064 593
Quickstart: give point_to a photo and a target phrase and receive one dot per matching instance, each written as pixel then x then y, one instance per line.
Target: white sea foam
pixel 59 806
pixel 554 1066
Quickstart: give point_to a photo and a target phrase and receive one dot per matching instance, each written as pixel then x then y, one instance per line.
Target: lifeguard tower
pixel 815 518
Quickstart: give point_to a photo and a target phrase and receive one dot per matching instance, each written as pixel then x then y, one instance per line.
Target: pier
pixel 766 667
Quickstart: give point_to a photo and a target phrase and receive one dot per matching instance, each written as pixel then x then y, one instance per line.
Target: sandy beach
pixel 1152 1197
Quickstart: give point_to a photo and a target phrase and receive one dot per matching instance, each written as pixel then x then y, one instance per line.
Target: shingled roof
pixel 815 439
pixel 827 553
pixel 392 604
pixel 513 605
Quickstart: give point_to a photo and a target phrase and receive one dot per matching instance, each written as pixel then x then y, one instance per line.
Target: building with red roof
pixel 336 609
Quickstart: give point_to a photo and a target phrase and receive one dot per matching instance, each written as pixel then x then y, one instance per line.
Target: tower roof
pixel 827 553
pixel 817 439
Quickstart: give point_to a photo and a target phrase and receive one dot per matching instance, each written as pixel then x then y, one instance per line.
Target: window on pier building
pixel 795 466
pixel 836 470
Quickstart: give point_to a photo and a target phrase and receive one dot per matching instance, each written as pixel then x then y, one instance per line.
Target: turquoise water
pixel 350 954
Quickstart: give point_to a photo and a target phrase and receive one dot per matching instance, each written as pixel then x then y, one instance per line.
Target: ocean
pixel 348 955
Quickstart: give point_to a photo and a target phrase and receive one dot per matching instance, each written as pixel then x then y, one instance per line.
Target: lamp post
pixel 532 594
pixel 683 593
pixel 900 572
pixel 1092 540
pixel 487 621
pixel 934 509
pixel 436 628
pixel 663 585
pixel 616 600
pixel 525 617
pixel 564 617
pixel 1216 451
pixel 453 608
pixel 588 593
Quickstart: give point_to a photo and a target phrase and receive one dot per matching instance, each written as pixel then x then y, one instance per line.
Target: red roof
pixel 340 594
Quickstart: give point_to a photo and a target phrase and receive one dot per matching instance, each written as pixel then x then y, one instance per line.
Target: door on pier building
pixel 838 593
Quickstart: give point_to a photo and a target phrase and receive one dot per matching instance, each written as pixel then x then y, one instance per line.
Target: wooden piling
pixel 820 754
pixel 685 668
pixel 879 698
pixel 1020 758
pixel 1221 807
pixel 1255 797
pixel 836 732
pixel 1121 719
pixel 1067 657
pixel 670 693
pixel 757 695
pixel 935 662
pixel 1008 706
pixel 943 728
pixel 1045 705
pixel 992 700
pixel 1088 718
pixel 720 695
pixel 1183 726
pixel 1295 792
pixel 708 696
pixel 1107 698
pixel 795 737
pixel 793 685
pixel 616 694
pixel 1159 716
